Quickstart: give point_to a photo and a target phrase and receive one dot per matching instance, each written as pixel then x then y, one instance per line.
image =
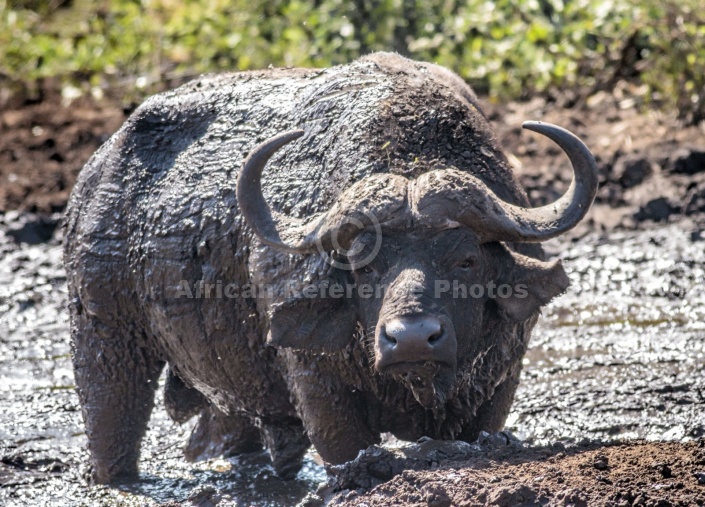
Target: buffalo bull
pixel 319 256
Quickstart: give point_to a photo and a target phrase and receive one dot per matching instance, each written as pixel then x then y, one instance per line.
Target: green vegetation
pixel 506 48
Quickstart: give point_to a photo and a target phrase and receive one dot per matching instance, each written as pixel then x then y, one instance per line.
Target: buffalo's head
pixel 426 261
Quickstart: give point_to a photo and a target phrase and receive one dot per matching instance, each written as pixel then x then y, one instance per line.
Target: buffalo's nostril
pixel 417 332
pixel 388 338
pixel 435 337
pixel 414 340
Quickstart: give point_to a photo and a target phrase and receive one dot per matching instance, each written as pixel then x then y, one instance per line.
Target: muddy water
pixel 621 355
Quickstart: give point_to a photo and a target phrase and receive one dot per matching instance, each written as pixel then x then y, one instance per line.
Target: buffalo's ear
pixel 318 324
pixel 534 283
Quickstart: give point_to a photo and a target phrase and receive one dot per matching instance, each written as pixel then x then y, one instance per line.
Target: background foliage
pixel 506 48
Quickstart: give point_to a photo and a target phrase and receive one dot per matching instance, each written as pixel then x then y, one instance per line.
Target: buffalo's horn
pixel 282 232
pixel 373 201
pixel 452 196
pixel 545 222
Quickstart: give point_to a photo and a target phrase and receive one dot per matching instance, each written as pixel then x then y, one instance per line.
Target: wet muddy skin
pixel 621 355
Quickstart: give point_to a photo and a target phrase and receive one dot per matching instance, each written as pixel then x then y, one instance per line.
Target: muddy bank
pixel 589 474
pixel 652 169
pixel 44 145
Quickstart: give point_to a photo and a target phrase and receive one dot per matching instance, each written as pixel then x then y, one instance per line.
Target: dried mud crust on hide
pixel 588 474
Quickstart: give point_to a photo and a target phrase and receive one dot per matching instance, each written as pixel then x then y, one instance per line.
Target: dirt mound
pixel 588 474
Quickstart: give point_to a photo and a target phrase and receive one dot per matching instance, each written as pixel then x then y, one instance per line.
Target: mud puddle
pixel 622 355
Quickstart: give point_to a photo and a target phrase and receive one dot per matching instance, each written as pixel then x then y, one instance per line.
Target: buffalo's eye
pixel 468 263
pixel 363 270
pixel 366 270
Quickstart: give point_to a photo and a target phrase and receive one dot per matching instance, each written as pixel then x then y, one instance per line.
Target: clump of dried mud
pixel 587 474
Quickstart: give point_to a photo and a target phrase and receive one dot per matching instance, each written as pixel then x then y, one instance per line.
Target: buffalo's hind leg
pixel 116 380
pixel 217 434
pixel 287 442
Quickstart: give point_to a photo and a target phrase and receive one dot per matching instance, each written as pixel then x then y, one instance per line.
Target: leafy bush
pixel 672 38
pixel 506 48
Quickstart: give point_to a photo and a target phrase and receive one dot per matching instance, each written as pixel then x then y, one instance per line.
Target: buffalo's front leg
pixel 116 380
pixel 286 441
pixel 334 416
pixel 493 413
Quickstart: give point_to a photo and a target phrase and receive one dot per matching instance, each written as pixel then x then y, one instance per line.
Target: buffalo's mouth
pixel 429 381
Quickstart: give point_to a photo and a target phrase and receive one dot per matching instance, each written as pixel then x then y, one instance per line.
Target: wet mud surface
pixel 619 357
pixel 622 353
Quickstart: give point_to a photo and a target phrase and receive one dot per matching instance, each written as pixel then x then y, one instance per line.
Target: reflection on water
pixel 245 480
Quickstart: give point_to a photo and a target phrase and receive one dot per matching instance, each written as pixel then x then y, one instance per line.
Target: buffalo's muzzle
pixel 415 339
